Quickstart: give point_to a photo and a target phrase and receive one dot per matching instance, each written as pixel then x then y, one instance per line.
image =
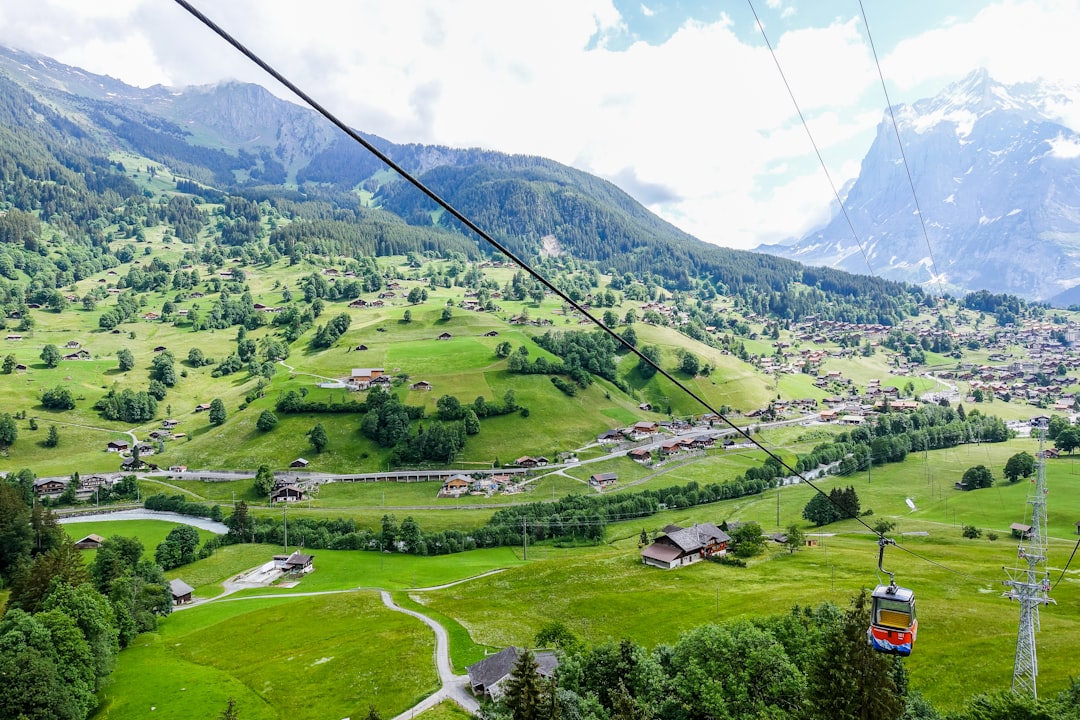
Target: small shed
pixel 181 591
pixel 299 463
pixel 1020 530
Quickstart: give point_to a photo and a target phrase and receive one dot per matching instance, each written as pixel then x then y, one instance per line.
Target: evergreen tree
pixel 523 696
pixel 239 522
pixel 53 438
pixel 851 681
pixel 9 364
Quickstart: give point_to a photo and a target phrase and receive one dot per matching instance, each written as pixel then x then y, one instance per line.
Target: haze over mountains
pixel 996 170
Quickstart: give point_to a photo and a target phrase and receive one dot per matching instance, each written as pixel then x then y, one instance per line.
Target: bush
pixel 971 532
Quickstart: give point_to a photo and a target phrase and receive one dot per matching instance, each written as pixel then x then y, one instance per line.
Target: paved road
pixel 453 687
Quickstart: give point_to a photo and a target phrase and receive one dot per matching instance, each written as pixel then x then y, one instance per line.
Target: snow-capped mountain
pixel 996 171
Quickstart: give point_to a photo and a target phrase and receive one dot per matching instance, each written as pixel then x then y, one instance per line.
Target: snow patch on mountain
pixel 1067 148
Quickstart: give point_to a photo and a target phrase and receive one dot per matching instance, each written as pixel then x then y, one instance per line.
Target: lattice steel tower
pixel 1029 582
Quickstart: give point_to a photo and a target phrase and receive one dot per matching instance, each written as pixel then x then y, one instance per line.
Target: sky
pixel 678 102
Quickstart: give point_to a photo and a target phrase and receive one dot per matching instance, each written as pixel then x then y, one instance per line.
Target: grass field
pixel 329 656
pixel 967 630
pixel 150 532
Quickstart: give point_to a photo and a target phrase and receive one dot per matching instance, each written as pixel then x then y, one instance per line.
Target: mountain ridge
pixel 998 183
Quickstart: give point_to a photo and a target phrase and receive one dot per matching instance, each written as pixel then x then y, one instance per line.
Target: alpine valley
pixel 340 422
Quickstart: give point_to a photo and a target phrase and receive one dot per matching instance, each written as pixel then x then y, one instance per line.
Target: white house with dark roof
pixel 684 546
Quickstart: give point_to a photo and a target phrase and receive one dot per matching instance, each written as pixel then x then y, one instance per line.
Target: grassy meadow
pixel 333 655
pixel 967 630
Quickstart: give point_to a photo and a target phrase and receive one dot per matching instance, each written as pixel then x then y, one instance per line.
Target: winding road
pixel 453 687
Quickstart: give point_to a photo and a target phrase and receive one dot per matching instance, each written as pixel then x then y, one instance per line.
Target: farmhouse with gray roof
pixel 683 546
pixel 487 676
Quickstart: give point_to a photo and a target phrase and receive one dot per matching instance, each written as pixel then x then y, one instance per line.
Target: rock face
pixel 996 170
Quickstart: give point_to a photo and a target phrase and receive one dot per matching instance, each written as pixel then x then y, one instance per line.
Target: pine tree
pixel 524 696
pixel 855 682
pixel 230 712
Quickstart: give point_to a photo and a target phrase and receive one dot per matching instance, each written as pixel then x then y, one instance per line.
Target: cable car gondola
pixel 893 625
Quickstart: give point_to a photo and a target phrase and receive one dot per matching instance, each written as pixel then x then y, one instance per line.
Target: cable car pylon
pixel 1029 581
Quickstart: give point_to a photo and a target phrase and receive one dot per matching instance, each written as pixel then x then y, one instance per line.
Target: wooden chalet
pixel 299 463
pixel 603 480
pixel 456 486
pixel 684 546
pixel 298 562
pixel 646 426
pixel 117 446
pixel 49 487
pixel 422 385
pixel 640 454
pixel 444 336
pixel 287 493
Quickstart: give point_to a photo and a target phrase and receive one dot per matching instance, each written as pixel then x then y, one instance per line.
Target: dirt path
pixel 293 371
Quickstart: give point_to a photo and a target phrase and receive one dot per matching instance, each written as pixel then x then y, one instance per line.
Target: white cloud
pixel 700 124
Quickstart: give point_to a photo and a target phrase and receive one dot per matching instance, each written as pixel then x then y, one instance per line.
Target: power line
pixel 1063 570
pixel 900 144
pixel 806 126
pixel 415 182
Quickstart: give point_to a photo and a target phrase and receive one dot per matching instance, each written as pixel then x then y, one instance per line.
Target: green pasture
pixel 207 575
pixel 967 631
pixel 366 569
pixel 150 532
pixel 194 663
pixel 463 651
pixel 446 710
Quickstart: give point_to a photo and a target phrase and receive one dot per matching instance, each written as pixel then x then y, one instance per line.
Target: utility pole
pixel 1029 584
pixel 285 519
pixel 778 505
pixel 525 538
